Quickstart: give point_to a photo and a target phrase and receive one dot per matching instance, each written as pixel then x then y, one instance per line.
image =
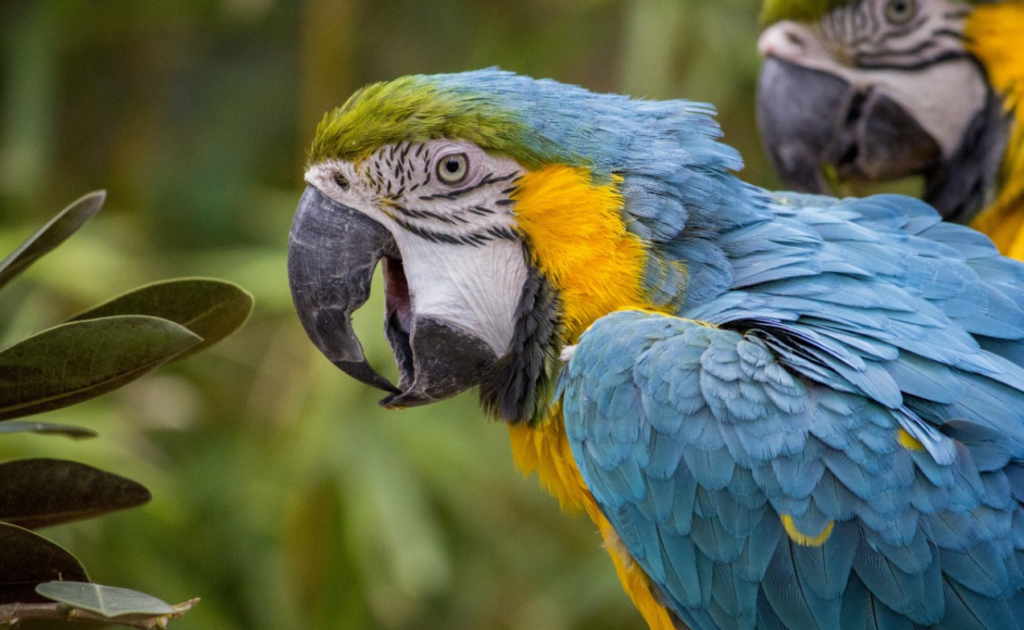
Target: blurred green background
pixel 283 495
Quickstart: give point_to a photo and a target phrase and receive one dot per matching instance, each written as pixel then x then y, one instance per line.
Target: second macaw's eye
pixel 452 169
pixel 899 11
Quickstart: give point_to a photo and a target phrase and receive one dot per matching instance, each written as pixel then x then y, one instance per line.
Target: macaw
pixel 882 89
pixel 780 410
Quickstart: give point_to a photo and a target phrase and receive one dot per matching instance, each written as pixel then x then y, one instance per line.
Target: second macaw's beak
pixel 811 120
pixel 332 253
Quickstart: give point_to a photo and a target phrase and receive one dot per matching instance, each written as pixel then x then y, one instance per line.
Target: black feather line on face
pixel 960 186
pixel 520 387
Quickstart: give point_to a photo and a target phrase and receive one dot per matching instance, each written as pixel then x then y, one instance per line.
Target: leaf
pixel 68 430
pixel 73 362
pixel 48 237
pixel 38 493
pixel 212 309
pixel 28 559
pixel 109 601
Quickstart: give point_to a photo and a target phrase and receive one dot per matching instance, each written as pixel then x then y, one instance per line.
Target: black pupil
pixel 341 181
pixel 899 8
pixel 452 166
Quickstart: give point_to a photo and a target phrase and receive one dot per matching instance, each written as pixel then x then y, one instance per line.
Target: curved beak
pixel 811 120
pixel 332 253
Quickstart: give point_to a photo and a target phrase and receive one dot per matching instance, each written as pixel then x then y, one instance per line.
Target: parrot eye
pixel 452 169
pixel 341 181
pixel 899 11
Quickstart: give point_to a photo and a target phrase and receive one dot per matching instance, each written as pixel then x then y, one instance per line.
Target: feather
pixel 791 597
pixel 827 567
pixel 918 597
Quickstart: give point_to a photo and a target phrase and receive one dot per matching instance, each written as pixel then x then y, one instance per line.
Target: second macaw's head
pixel 876 90
pixel 507 213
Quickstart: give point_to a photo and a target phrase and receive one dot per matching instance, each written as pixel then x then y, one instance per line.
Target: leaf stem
pixel 11 615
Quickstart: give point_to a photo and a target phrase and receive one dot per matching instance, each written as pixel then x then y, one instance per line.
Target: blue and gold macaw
pixel 875 90
pixel 781 410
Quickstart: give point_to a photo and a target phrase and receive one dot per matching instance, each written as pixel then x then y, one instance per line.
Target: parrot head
pixel 498 206
pixel 875 90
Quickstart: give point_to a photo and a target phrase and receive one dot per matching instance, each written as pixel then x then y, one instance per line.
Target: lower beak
pixel 332 253
pixel 811 120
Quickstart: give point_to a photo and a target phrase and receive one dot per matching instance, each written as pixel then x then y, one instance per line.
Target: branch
pixel 13 614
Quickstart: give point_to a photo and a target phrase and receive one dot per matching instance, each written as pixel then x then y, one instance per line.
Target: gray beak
pixel 810 119
pixel 332 253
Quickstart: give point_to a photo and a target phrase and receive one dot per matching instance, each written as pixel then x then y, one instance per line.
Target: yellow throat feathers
pixel 578 240
pixel 995 34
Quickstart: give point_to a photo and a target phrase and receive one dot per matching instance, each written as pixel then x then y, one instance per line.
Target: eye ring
pixel 453 168
pixel 341 180
pixel 900 11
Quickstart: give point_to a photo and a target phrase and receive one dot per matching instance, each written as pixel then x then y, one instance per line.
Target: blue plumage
pixel 784 393
pixel 826 429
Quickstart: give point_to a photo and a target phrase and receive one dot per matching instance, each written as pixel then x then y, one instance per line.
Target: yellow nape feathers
pixel 596 265
pixel 995 33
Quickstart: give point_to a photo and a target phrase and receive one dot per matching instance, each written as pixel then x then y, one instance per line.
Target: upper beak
pixel 810 119
pixel 332 253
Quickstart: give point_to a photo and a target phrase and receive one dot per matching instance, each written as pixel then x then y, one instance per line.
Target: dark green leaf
pixel 28 559
pixel 77 361
pixel 42 492
pixel 48 428
pixel 212 309
pixel 109 601
pixel 60 227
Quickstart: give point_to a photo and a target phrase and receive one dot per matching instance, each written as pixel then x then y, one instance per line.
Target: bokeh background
pixel 283 495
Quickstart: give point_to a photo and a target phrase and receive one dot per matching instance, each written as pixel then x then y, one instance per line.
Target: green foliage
pixel 108 601
pixel 210 309
pixel 50 235
pixel 44 492
pixel 73 362
pixel 47 427
pixel 96 352
pixel 29 559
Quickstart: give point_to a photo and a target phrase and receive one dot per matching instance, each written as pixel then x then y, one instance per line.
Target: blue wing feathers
pixel 714 542
pixel 997 494
pixel 918 597
pixel 913 558
pixel 827 567
pixel 842 327
pixel 796 605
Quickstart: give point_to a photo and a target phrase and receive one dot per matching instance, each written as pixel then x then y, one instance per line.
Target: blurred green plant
pixel 93 353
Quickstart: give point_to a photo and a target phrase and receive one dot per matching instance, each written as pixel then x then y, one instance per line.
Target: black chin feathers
pixel 520 386
pixel 959 187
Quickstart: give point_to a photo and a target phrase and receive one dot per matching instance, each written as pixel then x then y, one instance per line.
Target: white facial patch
pixel 921 65
pixel 463 260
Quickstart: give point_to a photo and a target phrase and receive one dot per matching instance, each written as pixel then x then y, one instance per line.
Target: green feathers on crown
pixel 416 109
pixel 797 10
pixel 812 10
pixel 535 122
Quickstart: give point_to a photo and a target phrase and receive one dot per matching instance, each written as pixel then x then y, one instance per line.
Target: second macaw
pixel 781 411
pixel 882 89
